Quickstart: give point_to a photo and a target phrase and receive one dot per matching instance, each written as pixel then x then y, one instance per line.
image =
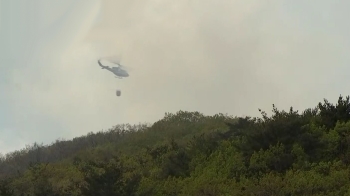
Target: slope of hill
pixel 188 153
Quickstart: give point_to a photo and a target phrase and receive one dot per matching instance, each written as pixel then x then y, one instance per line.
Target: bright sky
pixel 200 55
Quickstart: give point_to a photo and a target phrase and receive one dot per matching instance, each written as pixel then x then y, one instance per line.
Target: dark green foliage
pixel 188 153
pixel 102 177
pixel 330 114
pixel 5 189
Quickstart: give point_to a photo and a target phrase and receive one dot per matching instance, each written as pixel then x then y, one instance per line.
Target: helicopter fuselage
pixel 119 72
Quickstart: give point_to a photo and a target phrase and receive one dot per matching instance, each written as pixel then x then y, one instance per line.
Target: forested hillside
pixel 188 153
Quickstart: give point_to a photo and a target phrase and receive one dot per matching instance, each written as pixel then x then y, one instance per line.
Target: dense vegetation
pixel 188 153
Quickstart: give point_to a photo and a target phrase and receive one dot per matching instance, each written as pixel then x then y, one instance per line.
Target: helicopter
pixel 119 72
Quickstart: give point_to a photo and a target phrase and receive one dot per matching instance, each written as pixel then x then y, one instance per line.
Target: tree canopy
pixel 189 153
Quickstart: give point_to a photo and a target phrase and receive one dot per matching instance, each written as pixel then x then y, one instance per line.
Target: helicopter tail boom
pixel 102 67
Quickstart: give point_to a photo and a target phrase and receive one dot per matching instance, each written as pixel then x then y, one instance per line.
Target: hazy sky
pixel 196 55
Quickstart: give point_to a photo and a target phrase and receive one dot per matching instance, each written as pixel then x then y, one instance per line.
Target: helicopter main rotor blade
pixel 112 59
pixel 115 60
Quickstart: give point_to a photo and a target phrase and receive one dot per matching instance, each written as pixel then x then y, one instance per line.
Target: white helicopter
pixel 119 71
